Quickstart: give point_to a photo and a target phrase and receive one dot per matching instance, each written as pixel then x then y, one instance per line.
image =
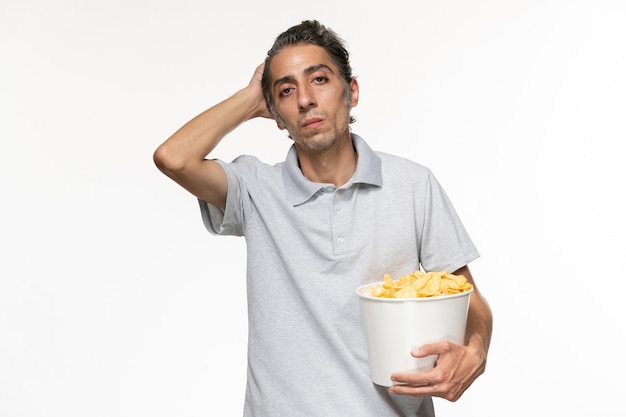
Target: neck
pixel 335 165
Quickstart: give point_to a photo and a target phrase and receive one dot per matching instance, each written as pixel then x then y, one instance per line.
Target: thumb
pixel 427 350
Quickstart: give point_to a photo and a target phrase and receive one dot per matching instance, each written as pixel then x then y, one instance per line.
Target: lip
pixel 312 123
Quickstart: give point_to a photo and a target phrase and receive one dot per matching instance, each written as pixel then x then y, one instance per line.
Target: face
pixel 309 97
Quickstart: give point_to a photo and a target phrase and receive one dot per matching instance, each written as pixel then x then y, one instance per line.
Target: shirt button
pixel 340 240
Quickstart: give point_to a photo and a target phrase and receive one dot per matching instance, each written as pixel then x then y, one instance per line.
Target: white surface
pixel 395 326
pixel 114 302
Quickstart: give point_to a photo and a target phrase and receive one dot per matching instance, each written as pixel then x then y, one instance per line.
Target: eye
pixel 320 79
pixel 285 91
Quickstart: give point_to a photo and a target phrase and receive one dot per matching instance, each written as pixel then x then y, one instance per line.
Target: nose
pixel 306 97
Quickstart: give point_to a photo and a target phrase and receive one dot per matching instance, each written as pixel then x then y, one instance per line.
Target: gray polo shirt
pixel 309 246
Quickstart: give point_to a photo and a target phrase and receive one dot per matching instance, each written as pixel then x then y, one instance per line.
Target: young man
pixel 333 216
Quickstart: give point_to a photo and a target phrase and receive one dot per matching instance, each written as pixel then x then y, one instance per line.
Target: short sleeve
pixel 227 221
pixel 445 245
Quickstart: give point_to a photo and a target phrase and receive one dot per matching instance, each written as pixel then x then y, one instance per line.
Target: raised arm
pixel 182 157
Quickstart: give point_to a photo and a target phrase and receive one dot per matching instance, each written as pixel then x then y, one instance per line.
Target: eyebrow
pixel 309 70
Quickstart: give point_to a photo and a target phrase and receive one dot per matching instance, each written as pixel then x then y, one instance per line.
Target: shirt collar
pixel 299 189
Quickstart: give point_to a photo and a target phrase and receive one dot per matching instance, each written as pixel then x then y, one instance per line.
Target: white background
pixel 114 300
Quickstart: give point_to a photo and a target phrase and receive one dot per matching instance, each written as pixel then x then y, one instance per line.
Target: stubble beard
pixel 319 141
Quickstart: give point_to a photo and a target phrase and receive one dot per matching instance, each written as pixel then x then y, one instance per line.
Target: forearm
pixel 198 137
pixel 479 317
pixel 479 323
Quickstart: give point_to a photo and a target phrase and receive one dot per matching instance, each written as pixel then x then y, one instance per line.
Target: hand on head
pixel 256 88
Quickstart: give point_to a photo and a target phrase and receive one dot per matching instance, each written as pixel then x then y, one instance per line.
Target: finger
pixel 418 389
pixel 429 349
pixel 417 380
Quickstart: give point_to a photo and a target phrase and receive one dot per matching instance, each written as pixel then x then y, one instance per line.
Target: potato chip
pixel 406 292
pixel 421 284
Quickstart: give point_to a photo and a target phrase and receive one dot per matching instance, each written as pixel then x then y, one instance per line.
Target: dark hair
pixel 311 32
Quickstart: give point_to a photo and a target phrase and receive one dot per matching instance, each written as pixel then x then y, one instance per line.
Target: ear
pixel 354 92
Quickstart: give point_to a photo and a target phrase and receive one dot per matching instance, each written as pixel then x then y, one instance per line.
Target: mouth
pixel 312 123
